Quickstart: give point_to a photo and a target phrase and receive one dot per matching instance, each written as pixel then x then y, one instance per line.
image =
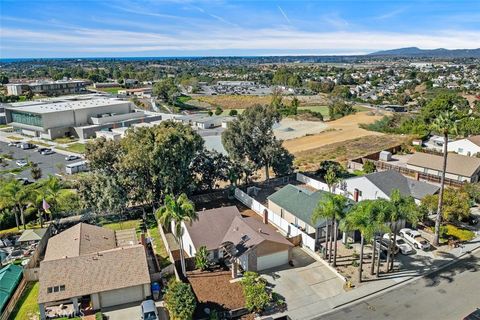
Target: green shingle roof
pixel 298 201
pixel 9 278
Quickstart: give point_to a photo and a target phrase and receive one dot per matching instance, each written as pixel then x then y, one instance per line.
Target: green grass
pixel 361 108
pixel 76 147
pixel 159 247
pixel 2 126
pixel 113 90
pixel 27 305
pixel 40 143
pixel 183 99
pixel 64 140
pixel 14 138
pixel 122 225
pixel 321 109
pixel 11 230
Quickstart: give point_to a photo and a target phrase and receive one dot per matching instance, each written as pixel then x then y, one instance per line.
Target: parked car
pixel 47 151
pixel 40 150
pixel 71 158
pixel 475 315
pixel 149 310
pixel 26 146
pixel 384 244
pixel 415 238
pixel 21 163
pixel 13 143
pixel 402 245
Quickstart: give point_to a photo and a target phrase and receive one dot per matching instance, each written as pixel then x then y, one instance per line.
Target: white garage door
pixel 121 296
pixel 272 260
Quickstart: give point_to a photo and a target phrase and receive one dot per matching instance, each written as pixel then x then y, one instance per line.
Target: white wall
pixel 288 229
pixel 464 147
pixel 368 190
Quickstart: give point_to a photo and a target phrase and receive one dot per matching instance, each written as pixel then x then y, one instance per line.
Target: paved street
pixel 451 293
pixel 48 163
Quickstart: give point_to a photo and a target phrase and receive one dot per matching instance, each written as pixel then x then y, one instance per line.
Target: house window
pixel 56 289
pixel 460 150
pixel 190 250
pixel 281 213
pixel 49 290
pixel 62 288
pixel 359 193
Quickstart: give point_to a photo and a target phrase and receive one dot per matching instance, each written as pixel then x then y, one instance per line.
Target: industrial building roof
pixel 50 107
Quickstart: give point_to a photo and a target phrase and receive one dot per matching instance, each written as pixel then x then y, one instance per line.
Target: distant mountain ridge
pixel 429 53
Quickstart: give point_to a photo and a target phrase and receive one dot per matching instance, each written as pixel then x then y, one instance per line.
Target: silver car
pixel 149 310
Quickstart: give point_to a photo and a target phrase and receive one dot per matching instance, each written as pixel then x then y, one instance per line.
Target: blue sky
pixel 90 28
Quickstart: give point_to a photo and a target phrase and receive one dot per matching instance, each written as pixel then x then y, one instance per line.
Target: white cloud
pixel 234 38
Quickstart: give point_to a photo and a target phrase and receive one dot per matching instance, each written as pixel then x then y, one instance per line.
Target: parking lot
pixel 49 164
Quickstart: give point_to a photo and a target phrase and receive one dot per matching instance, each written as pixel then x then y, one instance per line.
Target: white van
pixel 149 310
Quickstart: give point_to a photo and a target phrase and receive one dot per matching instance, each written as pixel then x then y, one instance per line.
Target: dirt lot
pixel 339 130
pixel 342 151
pixel 292 129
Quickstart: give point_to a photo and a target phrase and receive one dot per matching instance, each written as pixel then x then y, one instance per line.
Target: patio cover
pixel 32 235
pixel 9 278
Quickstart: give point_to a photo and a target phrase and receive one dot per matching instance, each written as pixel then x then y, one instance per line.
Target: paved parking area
pixel 304 286
pixel 49 164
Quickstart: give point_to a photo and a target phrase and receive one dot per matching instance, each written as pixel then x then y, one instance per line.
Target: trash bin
pixel 155 290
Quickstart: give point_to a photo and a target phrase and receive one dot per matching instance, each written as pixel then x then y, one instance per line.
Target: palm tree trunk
pixel 267 174
pixel 16 218
pixel 360 267
pixel 372 266
pixel 438 219
pixel 393 246
pixel 326 241
pixel 335 236
pixel 22 217
pixel 389 250
pixel 182 257
pixel 330 244
pixel 378 260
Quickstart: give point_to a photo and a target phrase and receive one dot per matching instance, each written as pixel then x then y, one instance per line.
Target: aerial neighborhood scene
pixel 254 160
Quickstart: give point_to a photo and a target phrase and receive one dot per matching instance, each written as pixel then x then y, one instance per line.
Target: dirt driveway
pixel 339 130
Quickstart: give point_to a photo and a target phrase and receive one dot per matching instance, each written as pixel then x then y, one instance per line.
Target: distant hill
pixel 429 53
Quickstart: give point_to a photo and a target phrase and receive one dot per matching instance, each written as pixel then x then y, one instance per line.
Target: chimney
pixel 265 216
pixel 355 195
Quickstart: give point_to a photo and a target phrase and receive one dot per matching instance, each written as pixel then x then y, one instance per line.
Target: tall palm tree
pixel 379 209
pixel 52 188
pixel 14 194
pixel 173 212
pixel 331 207
pixel 446 124
pixel 401 209
pixel 362 217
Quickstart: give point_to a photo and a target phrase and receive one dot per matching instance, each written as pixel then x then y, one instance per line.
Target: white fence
pixel 321 185
pixel 288 229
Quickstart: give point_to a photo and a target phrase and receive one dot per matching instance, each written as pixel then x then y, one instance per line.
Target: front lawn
pixel 459 233
pixel 27 306
pixel 14 138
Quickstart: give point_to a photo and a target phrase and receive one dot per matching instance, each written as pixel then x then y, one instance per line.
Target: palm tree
pixel 401 209
pixel 52 189
pixel 445 123
pixel 15 194
pixel 333 207
pixel 379 211
pixel 177 211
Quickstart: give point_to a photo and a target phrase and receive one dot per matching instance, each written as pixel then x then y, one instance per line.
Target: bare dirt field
pixel 339 130
pixel 290 129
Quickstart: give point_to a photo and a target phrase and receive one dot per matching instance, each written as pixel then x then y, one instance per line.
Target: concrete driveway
pixel 304 286
pixel 131 311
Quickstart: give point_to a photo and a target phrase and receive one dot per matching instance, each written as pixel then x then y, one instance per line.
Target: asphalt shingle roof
pixel 387 181
pixel 456 163
pixel 299 201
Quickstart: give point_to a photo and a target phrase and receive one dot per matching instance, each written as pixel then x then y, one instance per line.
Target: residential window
pixel 460 150
pixel 190 250
pixel 281 213
pixel 62 288
pixel 56 289
pixel 49 290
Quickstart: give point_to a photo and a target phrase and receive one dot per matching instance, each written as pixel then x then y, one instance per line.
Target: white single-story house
pixel 246 241
pixel 381 184
pixel 90 265
pixel 468 147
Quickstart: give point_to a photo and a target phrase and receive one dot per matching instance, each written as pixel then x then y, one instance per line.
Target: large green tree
pixel 166 89
pixel 250 138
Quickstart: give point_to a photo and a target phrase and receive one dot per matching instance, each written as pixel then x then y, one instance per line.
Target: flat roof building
pixel 79 118
pixel 49 88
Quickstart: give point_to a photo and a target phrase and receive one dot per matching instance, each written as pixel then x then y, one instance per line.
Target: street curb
pixel 399 284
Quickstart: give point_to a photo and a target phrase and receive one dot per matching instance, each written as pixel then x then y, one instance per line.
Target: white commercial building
pixel 46 87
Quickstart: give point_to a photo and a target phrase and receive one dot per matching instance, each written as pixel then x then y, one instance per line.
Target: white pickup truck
pixel 415 238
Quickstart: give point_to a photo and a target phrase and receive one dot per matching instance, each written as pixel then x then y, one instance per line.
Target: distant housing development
pixel 48 88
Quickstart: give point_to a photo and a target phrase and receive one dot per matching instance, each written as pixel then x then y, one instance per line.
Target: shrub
pixel 233 112
pixel 355 263
pixel 255 291
pixel 218 111
pixel 201 258
pixel 368 167
pixel 180 301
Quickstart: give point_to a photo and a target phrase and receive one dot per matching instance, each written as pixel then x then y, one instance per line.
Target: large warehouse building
pixel 79 118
